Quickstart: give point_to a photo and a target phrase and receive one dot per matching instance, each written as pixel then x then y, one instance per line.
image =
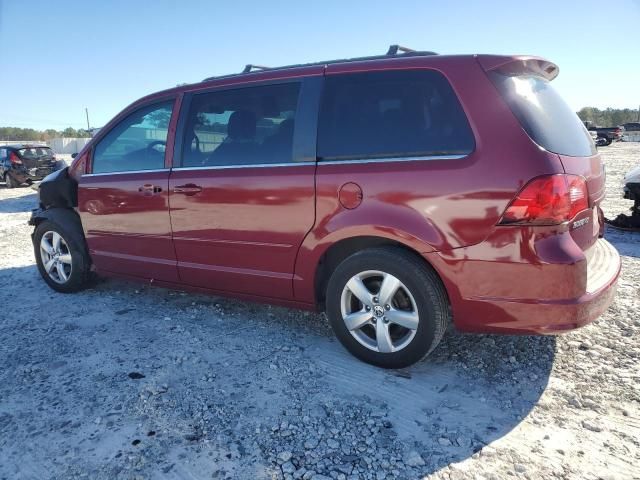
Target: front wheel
pixel 61 257
pixel 387 307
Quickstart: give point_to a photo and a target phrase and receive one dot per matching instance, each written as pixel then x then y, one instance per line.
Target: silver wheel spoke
pixel 49 265
pixel 65 258
pixel 56 241
pixel 46 246
pixel 359 289
pixel 405 319
pixel 383 338
pixel 388 289
pixel 61 273
pixel 357 319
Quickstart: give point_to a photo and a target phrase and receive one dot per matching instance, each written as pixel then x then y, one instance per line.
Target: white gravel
pixel 227 389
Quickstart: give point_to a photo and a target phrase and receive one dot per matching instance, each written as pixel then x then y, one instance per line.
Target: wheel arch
pixel 336 252
pixel 64 216
pixel 67 218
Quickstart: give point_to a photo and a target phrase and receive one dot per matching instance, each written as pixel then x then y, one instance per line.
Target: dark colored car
pixel 25 163
pixel 609 134
pixel 396 193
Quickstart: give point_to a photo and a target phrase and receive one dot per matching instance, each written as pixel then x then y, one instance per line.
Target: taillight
pixel 13 158
pixel 548 200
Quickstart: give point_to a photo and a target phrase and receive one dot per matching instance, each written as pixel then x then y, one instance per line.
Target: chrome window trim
pixel 290 164
pixel 125 172
pixel 248 165
pixel 392 159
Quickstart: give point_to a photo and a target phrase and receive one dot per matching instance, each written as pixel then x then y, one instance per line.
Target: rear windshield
pixel 544 115
pixel 35 152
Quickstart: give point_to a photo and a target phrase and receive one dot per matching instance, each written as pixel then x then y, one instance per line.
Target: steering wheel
pixel 154 144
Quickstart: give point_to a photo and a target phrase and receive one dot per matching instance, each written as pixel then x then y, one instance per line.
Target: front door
pixel 124 200
pixel 242 199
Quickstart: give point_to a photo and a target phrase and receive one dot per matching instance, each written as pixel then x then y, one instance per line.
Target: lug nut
pixel 385 319
pixel 375 299
pixel 367 308
pixel 388 307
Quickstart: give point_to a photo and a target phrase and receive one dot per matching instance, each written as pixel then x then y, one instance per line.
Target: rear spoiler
pixel 519 65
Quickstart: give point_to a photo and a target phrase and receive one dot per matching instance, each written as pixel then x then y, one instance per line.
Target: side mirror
pixel 74 155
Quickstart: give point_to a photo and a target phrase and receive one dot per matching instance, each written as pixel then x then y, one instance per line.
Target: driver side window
pixel 137 143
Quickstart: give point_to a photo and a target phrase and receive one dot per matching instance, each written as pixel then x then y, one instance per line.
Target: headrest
pixel 242 125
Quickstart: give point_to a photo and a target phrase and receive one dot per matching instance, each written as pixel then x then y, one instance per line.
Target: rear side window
pixel 246 126
pixel 391 114
pixel 136 143
pixel 544 115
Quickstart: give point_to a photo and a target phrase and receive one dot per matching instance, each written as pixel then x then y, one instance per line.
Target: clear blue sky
pixel 59 57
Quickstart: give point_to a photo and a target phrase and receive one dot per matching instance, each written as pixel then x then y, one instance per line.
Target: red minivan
pixel 397 193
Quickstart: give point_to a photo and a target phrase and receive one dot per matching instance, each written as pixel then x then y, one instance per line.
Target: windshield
pixel 544 115
pixel 35 152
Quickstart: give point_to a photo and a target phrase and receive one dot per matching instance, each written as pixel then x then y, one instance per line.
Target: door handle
pixel 149 189
pixel 188 189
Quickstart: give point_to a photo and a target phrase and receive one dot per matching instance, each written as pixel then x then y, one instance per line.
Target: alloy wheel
pixel 56 257
pixel 379 311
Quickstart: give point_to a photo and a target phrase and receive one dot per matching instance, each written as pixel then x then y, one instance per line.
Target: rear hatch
pixel 525 85
pixel 37 157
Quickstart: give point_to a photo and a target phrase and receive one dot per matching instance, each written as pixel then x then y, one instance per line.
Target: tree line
pixel 32 135
pixel 609 117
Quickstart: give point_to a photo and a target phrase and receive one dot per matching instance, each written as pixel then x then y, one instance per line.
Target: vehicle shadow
pixel 627 243
pixel 471 391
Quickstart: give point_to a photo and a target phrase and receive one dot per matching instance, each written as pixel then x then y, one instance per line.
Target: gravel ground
pixel 128 382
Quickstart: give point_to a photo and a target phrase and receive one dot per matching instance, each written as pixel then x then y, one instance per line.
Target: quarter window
pixel 391 114
pixel 137 143
pixel 247 126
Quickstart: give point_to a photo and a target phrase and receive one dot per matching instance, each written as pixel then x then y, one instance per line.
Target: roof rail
pixel 391 52
pixel 393 49
pixel 250 67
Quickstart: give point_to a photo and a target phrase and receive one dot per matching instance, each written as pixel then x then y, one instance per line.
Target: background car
pixel 25 163
pixel 608 134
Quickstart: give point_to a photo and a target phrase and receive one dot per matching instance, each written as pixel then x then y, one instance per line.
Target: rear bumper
pixel 582 290
pixel 24 174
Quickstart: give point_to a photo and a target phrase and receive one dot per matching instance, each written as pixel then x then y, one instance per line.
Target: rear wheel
pixel 61 257
pixel 387 307
pixel 10 181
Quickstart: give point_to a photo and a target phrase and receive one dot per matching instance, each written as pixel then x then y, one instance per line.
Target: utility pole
pixel 86 111
pixel 638 113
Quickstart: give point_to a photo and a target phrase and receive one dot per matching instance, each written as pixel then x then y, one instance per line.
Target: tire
pixel 76 273
pixel 420 298
pixel 10 181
